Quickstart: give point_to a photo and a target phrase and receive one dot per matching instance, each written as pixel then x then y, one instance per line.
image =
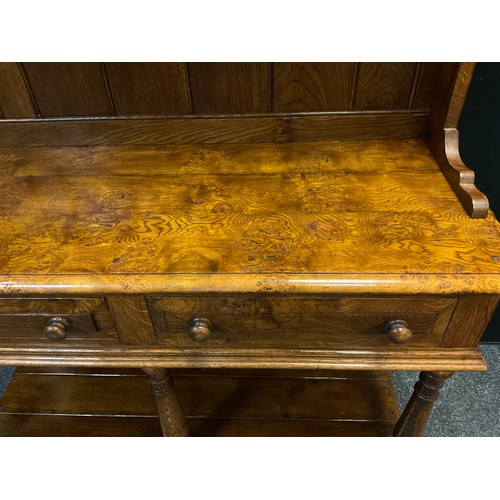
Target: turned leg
pixel 416 413
pixel 173 421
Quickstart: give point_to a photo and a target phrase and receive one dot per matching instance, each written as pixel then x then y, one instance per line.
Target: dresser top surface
pixel 135 216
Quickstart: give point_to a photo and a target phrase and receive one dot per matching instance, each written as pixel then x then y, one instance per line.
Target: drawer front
pixel 298 323
pixel 56 319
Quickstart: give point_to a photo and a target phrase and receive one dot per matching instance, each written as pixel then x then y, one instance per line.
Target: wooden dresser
pixel 276 237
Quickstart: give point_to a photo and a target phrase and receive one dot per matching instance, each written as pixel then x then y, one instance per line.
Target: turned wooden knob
pixel 398 331
pixel 57 329
pixel 199 329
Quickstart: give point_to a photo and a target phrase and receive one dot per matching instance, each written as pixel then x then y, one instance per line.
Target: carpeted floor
pixel 5 376
pixel 469 404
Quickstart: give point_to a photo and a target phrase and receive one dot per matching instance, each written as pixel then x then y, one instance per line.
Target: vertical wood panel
pixel 15 100
pixel 69 89
pixel 312 86
pixel 384 86
pixel 149 88
pixel 469 320
pixel 459 93
pixel 424 86
pixel 229 87
pixel 131 316
pixel 443 83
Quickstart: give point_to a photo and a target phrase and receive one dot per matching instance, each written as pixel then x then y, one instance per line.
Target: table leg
pixel 173 421
pixel 416 413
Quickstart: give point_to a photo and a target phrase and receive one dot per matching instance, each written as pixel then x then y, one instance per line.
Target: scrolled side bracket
pixel 462 178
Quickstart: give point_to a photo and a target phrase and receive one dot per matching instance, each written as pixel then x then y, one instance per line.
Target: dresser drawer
pixel 56 319
pixel 284 323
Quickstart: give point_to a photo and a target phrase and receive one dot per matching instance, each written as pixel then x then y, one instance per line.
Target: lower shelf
pixel 103 402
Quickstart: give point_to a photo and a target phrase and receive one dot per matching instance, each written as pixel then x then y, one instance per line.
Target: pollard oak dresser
pixel 259 243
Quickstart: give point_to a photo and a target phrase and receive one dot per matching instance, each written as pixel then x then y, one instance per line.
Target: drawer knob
pixel 199 329
pixel 57 329
pixel 398 331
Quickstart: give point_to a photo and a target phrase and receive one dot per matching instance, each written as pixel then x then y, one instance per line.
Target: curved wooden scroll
pixel 462 178
pixel 451 83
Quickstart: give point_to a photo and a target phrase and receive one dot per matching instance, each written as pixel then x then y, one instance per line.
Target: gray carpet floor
pixel 469 404
pixel 6 373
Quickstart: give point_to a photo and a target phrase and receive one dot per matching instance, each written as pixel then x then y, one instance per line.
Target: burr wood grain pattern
pixel 251 212
pixel 319 217
pixel 298 323
pixel 394 99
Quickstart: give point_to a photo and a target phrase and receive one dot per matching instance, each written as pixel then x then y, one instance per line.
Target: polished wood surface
pixel 118 355
pixel 68 89
pixel 416 413
pixel 313 86
pixel 131 316
pixel 235 323
pixel 238 211
pixel 103 402
pixel 462 178
pixel 149 88
pixel 385 85
pixel 213 129
pixel 397 97
pixel 229 87
pixel 450 89
pixel 172 418
pixel 121 88
pixel 15 98
pixel 424 83
pixel 240 215
pixel 28 319
pixel 470 319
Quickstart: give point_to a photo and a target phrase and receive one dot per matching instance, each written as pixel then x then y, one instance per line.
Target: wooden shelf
pixel 102 402
pixel 240 218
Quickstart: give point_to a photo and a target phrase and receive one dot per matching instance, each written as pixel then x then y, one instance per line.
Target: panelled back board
pixel 48 90
pixel 232 216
